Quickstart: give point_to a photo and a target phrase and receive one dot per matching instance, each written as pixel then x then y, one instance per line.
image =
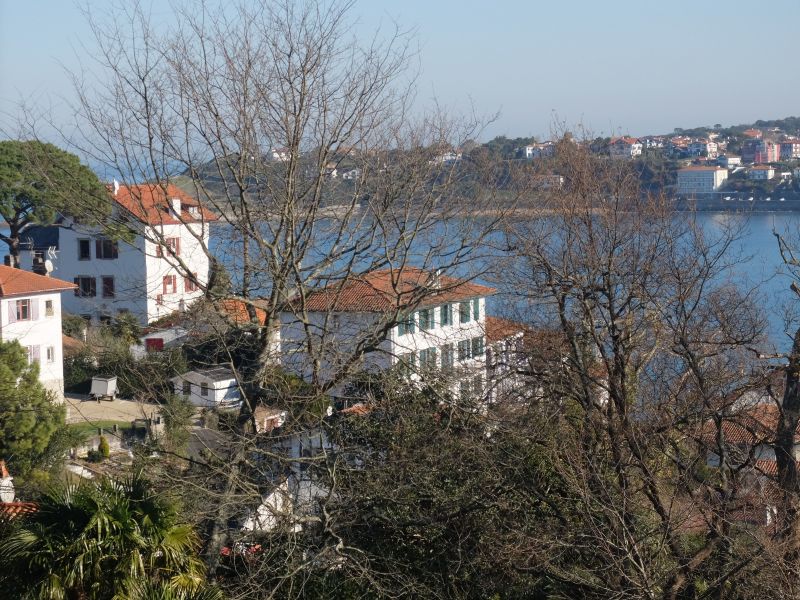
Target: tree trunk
pixel 784 452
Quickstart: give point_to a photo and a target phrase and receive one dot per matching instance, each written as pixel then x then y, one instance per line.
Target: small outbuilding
pixel 215 387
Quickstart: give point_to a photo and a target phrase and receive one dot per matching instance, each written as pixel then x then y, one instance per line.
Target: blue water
pixel 762 267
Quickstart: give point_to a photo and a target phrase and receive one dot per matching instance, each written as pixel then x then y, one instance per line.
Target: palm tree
pixel 102 540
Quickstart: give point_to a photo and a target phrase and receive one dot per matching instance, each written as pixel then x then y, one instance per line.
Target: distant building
pixel 650 142
pixel 761 172
pixel 624 147
pixel 31 314
pixel 790 150
pixel 753 133
pixel 280 154
pixel 760 152
pixel 700 180
pixel 729 161
pixel 543 150
pixel 703 148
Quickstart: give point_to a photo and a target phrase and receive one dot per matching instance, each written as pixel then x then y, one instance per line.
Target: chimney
pixel 116 187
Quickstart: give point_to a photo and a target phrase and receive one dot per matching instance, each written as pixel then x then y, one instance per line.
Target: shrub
pixel 103 448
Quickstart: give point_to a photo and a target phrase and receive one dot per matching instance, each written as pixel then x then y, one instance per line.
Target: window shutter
pixel 12 311
pixel 34 309
pixel 476 309
pixel 36 354
pixel 177 246
pixel 98 249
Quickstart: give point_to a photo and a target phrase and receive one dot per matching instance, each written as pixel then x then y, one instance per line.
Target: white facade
pixel 761 173
pixel 535 151
pixel 730 162
pixel 34 320
pixel 138 276
pixel 435 337
pixel 701 180
pixel 209 388
pixel 624 148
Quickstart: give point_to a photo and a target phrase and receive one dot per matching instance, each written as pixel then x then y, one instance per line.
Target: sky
pixel 614 66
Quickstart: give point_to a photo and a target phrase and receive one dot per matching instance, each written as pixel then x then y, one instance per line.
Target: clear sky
pixel 617 66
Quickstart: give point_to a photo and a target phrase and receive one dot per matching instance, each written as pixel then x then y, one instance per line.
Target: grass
pixel 90 427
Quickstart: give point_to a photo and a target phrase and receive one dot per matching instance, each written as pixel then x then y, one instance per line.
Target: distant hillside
pixel 789 125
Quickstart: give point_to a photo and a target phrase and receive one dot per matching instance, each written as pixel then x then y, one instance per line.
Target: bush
pixel 103 448
pixel 94 456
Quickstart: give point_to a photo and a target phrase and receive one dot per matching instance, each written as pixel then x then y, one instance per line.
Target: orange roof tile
pixel 150 203
pixel 15 510
pixel 16 282
pixel 385 291
pixel 236 311
pixel 752 426
pixel 498 329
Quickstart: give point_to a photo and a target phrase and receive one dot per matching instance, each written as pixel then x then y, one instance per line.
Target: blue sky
pixel 617 66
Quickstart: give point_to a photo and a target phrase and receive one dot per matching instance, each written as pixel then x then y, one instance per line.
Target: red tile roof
pixel 385 291
pixel 236 311
pixel 16 282
pixel 150 203
pixel 624 139
pixel 498 329
pixel 14 510
pixel 752 426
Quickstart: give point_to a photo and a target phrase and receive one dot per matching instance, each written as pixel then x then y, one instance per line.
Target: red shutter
pixel 154 344
pixel 177 246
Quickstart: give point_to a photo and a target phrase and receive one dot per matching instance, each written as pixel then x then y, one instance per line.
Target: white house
pixel 729 161
pixel 215 387
pixel 147 273
pixel 704 148
pixel 624 147
pixel 761 172
pixel 543 150
pixel 701 180
pixel 441 325
pixel 30 312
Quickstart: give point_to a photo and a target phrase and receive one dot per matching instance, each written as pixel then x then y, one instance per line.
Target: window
pixel 426 319
pixel 170 284
pixel 446 315
pixel 464 349
pixel 84 250
pixel 407 362
pixel 105 320
pixel 187 388
pixel 48 308
pixel 406 325
pixel 463 312
pixel 51 354
pixel 106 249
pixel 189 283
pixel 427 358
pixel 477 346
pixel 23 310
pixel 87 287
pixel 108 287
pixel 476 309
pixel 33 354
pixel 174 245
pixel 204 389
pixel 447 357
